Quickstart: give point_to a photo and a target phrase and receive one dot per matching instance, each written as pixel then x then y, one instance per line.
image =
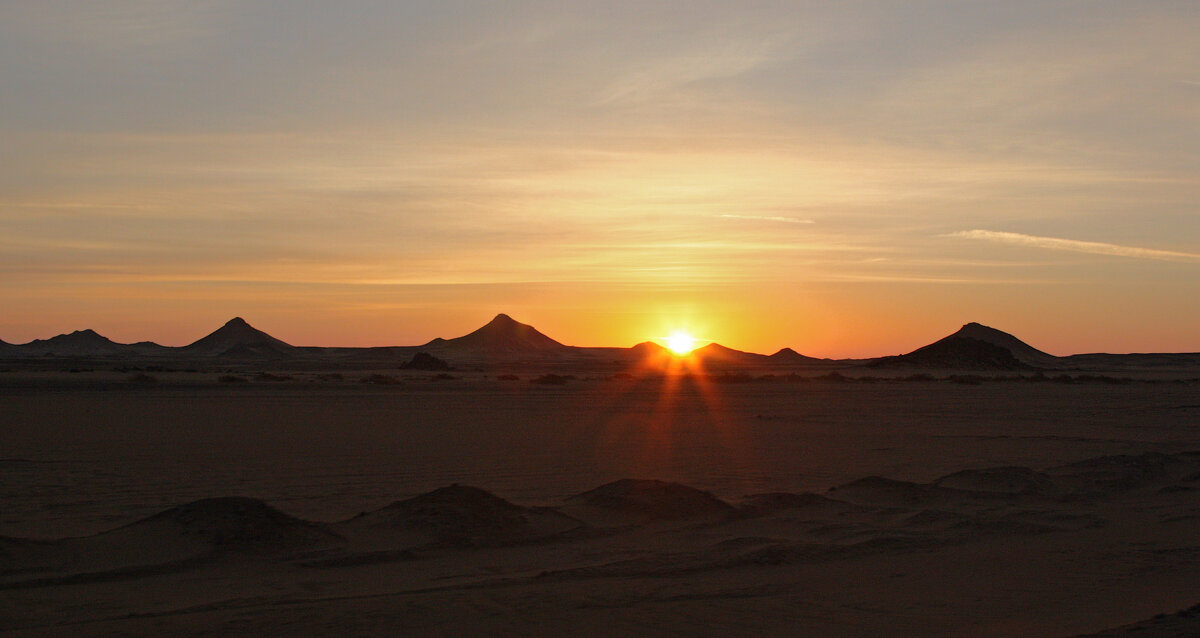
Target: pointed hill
pixel 973 347
pixel 1018 348
pixel 238 339
pixel 787 355
pixel 502 335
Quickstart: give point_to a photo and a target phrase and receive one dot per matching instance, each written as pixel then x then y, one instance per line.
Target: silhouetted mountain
pixel 973 347
pixel 81 343
pixel 787 355
pixel 501 335
pixel 715 352
pixel 1019 349
pixel 240 340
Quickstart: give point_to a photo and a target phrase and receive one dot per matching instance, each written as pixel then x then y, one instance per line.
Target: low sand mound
pixel 1127 471
pixel 168 541
pixel 639 500
pixel 464 515
pixel 238 524
pixel 1012 480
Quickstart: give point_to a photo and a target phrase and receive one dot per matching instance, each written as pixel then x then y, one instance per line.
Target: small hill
pixel 956 354
pixel 787 355
pixel 1021 350
pixel 465 515
pixel 425 361
pixel 501 335
pixel 715 352
pixel 236 524
pixel 81 343
pixel 973 347
pixel 239 339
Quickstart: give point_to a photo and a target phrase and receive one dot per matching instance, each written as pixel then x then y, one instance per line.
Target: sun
pixel 681 343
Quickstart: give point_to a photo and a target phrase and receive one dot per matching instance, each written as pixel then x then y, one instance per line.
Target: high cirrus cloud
pixel 1074 245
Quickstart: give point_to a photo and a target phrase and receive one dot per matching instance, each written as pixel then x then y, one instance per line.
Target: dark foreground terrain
pixel 464 503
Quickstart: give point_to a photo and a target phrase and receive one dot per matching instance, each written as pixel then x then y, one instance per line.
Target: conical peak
pixel 81 335
pixel 502 320
pixel 237 322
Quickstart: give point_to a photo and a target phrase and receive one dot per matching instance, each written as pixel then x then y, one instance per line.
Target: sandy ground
pixel 1004 508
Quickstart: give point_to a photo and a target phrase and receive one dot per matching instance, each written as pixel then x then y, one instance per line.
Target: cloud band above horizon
pixel 1074 245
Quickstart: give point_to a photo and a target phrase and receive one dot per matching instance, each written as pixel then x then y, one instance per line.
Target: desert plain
pixel 474 503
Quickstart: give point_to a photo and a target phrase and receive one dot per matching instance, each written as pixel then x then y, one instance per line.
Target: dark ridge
pixel 79 343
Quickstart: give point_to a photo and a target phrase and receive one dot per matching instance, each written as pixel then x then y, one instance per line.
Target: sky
pixel 842 178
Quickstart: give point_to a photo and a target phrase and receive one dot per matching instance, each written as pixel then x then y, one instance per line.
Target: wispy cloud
pixel 1073 245
pixel 768 218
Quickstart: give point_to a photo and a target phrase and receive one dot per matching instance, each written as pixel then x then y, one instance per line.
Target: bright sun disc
pixel 681 342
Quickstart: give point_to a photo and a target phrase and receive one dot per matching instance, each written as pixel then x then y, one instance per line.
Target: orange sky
pixel 843 180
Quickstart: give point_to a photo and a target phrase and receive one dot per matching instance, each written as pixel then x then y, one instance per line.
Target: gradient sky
pixel 844 178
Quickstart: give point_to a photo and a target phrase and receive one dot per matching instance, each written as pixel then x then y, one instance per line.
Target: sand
pixel 601 507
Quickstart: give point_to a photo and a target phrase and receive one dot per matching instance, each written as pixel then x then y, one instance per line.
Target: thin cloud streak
pixel 1073 245
pixel 767 218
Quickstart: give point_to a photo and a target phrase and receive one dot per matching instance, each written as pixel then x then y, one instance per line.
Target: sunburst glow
pixel 681 343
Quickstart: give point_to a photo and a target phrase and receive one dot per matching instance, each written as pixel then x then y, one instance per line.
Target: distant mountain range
pixel 503 340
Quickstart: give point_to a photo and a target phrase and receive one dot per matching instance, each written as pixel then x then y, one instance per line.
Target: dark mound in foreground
pixel 653 499
pixel 426 361
pixel 464 515
pixel 1127 471
pixel 238 523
